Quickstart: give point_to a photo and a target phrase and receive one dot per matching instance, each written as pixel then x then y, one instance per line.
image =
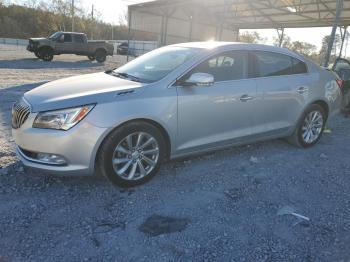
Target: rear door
pixel 79 44
pixel 283 85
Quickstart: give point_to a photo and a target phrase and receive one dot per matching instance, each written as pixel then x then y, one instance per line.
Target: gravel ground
pixel 224 206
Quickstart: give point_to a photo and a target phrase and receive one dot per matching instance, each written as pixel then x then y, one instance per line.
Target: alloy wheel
pixel 135 156
pixel 312 127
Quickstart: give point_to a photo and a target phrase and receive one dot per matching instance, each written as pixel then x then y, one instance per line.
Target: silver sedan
pixel 175 101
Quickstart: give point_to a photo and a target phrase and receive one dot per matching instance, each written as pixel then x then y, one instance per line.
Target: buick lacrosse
pixel 172 102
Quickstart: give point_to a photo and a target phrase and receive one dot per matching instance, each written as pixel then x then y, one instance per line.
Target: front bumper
pixel 30 48
pixel 78 146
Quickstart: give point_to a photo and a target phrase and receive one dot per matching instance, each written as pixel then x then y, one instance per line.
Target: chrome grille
pixel 20 113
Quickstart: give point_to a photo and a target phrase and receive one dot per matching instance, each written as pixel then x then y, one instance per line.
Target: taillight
pixel 340 83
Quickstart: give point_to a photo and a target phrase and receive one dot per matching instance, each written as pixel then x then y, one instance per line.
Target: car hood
pixel 38 39
pixel 78 90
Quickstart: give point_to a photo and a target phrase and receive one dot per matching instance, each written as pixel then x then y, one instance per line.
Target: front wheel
pixel 310 127
pixel 37 54
pixel 132 154
pixel 46 54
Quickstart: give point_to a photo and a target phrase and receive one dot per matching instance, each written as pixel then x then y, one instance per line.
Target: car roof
pixel 74 33
pixel 238 45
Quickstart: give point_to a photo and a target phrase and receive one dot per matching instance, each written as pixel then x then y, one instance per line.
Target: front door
pixel 65 44
pixel 210 116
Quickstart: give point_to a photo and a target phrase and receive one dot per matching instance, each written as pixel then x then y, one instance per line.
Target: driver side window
pixel 227 66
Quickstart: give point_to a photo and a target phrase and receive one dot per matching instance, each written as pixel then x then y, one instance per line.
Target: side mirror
pixel 199 79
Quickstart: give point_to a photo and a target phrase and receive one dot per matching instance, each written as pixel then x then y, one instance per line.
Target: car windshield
pixel 156 64
pixel 55 35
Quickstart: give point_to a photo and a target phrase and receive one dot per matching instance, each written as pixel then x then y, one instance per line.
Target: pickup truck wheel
pixel 46 55
pixel 37 54
pixel 91 58
pixel 101 56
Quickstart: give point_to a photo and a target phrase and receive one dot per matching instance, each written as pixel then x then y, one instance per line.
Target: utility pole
pixel 92 26
pixel 343 37
pixel 72 12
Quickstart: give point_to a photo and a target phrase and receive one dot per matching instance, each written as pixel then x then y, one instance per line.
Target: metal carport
pixel 176 21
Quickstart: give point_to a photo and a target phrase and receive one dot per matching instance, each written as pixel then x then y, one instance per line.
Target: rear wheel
pixel 101 56
pixel 91 58
pixel 132 154
pixel 310 128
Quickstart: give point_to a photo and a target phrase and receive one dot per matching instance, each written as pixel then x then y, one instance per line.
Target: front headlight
pixel 63 119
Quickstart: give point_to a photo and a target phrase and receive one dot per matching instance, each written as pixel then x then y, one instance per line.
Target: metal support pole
pixel 72 11
pixel 334 30
pixel 165 29
pixel 191 29
pixel 129 35
pixel 220 34
pixel 236 34
pixel 346 45
pixel 92 21
pixel 343 36
pixel 223 19
pixel 162 32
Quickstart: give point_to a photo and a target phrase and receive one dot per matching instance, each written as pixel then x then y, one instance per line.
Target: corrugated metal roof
pixel 249 14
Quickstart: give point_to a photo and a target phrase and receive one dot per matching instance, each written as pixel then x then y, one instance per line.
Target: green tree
pixel 251 37
pixel 335 49
pixel 303 48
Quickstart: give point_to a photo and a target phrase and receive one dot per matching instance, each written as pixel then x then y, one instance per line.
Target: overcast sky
pixel 111 11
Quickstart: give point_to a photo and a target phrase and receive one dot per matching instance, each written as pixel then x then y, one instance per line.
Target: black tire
pixel 297 138
pixel 37 54
pixel 107 153
pixel 100 55
pixel 46 54
pixel 91 58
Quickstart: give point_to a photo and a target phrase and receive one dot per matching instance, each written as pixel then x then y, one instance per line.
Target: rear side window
pixel 67 38
pixel 78 38
pixel 299 67
pixel 275 64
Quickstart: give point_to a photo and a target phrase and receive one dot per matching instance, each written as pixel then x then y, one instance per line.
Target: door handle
pixel 246 98
pixel 302 90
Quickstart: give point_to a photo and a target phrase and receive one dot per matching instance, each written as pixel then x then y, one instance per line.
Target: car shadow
pixel 34 63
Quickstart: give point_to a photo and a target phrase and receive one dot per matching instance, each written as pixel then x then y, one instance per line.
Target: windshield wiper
pixel 127 76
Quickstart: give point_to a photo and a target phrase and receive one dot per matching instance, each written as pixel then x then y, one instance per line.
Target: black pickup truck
pixel 69 43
